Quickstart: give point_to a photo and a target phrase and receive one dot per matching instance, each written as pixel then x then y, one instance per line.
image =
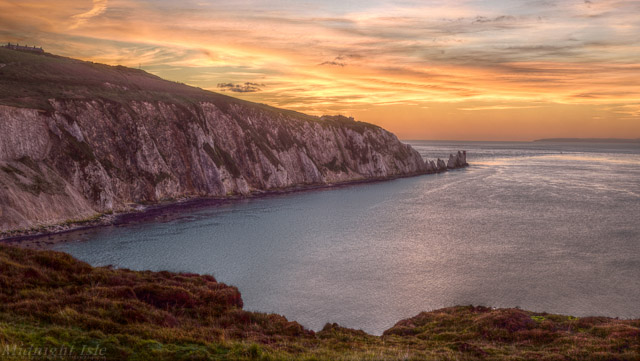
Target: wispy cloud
pixel 99 7
pixel 334 55
pixel 499 107
pixel 337 61
pixel 247 87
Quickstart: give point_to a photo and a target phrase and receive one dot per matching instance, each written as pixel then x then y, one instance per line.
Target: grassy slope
pixel 29 80
pixel 49 299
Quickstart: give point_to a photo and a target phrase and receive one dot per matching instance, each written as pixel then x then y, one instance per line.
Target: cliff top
pixel 29 80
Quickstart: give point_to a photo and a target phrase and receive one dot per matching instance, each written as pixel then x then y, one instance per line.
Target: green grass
pixel 32 80
pixel 50 300
pixel 221 158
pixel 29 80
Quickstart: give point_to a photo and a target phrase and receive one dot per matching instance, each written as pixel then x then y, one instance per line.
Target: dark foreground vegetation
pixel 50 302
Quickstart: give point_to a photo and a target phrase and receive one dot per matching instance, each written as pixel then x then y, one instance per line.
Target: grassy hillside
pixel 80 139
pixel 29 80
pixel 50 300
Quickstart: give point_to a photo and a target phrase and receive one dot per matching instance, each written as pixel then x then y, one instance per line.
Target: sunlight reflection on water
pixel 544 227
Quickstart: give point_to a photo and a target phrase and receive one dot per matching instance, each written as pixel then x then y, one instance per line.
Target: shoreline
pixel 35 239
pixel 149 315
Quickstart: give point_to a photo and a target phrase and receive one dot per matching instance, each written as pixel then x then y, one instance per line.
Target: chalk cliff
pixel 80 138
pixel 458 160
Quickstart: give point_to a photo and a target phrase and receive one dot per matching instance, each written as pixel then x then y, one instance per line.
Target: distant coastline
pixel 587 140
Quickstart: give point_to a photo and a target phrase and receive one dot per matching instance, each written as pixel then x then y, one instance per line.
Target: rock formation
pixel 431 166
pixel 458 160
pixel 118 137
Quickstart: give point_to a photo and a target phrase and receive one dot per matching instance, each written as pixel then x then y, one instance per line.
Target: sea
pixel 543 226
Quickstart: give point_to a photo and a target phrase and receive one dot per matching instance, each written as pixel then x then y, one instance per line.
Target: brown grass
pixel 50 299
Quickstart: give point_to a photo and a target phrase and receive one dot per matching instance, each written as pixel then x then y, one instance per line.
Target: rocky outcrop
pixel 97 156
pixel 458 160
pixel 441 166
pixel 139 139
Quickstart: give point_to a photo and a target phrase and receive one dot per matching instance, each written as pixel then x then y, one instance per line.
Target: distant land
pixel 588 140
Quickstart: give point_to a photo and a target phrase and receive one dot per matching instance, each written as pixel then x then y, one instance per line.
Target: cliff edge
pixel 80 139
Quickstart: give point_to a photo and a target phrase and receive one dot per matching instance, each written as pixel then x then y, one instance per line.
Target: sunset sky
pixel 474 70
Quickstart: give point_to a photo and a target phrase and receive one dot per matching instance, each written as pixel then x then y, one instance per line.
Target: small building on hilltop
pixel 23 47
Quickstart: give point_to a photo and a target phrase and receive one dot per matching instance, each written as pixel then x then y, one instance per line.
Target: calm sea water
pixel 544 227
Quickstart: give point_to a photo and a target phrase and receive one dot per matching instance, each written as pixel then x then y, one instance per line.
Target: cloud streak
pixel 330 56
pixel 99 7
pixel 499 107
pixel 247 87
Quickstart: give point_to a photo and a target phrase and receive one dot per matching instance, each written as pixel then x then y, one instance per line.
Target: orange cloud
pixel 433 62
pixel 99 7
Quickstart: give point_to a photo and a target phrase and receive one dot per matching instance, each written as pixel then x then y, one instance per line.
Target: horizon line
pixel 556 139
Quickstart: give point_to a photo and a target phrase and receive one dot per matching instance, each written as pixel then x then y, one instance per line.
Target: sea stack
pixel 120 137
pixel 124 137
pixel 458 160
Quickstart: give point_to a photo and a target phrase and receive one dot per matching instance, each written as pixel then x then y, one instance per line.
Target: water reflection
pixel 524 226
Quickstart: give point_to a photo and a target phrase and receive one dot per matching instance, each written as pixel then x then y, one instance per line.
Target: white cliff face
pixel 92 156
pixel 17 126
pixel 117 136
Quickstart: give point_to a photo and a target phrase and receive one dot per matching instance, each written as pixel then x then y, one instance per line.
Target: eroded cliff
pixel 94 156
pixel 79 139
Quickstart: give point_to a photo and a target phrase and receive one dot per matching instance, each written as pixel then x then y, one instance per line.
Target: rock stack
pixel 441 165
pixel 431 166
pixel 457 161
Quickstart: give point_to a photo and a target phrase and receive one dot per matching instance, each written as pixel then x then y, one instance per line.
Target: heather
pixel 49 299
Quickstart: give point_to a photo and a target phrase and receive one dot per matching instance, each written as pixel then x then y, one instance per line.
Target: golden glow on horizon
pixel 422 69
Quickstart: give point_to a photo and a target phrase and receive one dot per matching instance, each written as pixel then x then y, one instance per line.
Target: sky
pixel 457 69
